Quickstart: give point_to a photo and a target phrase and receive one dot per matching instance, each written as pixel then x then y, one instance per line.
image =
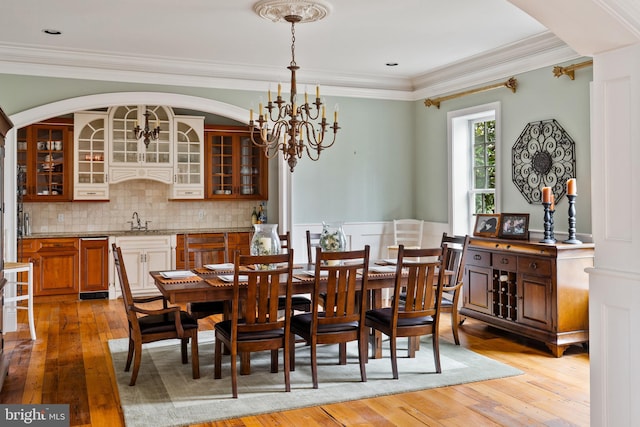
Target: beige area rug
pixel 166 395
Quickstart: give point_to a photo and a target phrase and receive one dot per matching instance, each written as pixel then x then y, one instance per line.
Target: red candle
pixel 546 195
pixel 571 187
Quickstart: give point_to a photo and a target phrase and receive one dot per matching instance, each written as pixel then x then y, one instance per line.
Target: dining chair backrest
pixel 285 242
pixel 125 288
pixel 408 232
pixel 418 277
pixel 260 277
pixel 455 245
pixel 201 249
pixel 313 242
pixel 345 274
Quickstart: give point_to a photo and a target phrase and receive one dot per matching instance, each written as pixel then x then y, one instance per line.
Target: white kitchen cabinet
pixel 129 158
pixel 188 180
pixel 142 254
pixel 90 179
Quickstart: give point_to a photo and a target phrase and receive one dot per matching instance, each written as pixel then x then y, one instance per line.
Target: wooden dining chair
pixel 199 250
pixel 149 325
pixel 419 313
pixel 313 241
pixel 454 263
pixel 257 327
pixel 298 302
pixel 342 319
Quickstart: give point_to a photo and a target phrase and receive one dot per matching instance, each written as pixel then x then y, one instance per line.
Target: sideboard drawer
pixel 504 262
pixel 534 266
pixel 479 258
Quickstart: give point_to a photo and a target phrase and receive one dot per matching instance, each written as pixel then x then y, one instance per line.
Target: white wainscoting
pixel 378 235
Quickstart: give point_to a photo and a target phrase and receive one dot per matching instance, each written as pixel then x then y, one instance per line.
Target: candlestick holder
pixel 551 212
pixel 548 224
pixel 572 221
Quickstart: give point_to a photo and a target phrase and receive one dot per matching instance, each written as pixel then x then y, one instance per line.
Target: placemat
pixel 190 279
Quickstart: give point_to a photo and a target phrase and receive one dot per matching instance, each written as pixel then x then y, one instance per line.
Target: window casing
pixel 474 159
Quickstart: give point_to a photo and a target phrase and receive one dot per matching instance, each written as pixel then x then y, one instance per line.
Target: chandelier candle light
pixel 288 127
pixel 146 133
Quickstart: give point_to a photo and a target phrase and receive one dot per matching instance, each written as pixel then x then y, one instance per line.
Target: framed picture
pixel 487 225
pixel 514 226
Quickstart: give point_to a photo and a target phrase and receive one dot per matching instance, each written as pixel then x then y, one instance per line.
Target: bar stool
pixel 22 267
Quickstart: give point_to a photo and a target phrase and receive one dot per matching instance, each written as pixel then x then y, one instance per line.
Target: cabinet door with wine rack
pixel 44 162
pixel 235 167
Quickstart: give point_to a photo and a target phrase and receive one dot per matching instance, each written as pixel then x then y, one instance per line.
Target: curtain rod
pixel 512 84
pixel 570 70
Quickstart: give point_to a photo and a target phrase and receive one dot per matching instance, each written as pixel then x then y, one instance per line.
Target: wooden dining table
pixel 206 285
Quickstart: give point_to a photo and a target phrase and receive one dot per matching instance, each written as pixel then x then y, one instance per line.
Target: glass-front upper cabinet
pixel 90 171
pixel 236 168
pixel 188 181
pixel 153 160
pixel 44 153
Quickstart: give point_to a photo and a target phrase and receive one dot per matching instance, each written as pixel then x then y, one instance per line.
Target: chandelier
pixel 289 127
pixel 146 133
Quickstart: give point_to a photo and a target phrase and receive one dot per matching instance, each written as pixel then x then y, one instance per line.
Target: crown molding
pixel 532 53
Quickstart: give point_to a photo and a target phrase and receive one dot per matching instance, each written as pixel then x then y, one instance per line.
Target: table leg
pixel 245 363
pixel 375 336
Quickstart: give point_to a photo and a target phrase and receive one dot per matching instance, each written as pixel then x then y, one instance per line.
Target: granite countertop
pixel 119 233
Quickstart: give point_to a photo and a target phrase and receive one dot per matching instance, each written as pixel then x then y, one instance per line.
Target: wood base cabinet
pixel 55 265
pixel 94 267
pixel 536 290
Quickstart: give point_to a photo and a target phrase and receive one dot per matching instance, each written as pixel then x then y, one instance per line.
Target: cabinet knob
pixel 533 265
pixel 477 257
pixel 504 261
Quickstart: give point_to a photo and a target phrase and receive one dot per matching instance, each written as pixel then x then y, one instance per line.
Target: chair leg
pixel 137 357
pixel 274 361
pixel 314 364
pixel 454 326
pixel 342 353
pixel 362 357
pixel 394 362
pixel 436 352
pixel 217 364
pixel 286 355
pixel 185 357
pixel 234 372
pixel 127 365
pixel 195 359
pixel 412 344
pixel 292 352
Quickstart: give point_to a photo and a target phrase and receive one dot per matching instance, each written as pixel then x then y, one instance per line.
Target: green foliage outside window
pixel 484 165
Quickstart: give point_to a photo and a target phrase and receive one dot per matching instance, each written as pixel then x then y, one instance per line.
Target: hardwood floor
pixel 70 363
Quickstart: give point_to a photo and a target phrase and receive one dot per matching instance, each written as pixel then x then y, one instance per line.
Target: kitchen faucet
pixel 136 224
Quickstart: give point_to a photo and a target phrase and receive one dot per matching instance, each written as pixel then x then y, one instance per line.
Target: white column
pixel 614 282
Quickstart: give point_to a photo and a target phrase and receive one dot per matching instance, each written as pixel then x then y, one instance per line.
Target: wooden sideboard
pixel 536 290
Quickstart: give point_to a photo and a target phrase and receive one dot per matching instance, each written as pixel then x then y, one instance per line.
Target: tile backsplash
pixel 150 200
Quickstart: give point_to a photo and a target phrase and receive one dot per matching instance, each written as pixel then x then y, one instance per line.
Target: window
pixel 474 175
pixel 484 166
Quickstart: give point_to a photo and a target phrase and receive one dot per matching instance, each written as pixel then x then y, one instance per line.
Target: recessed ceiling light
pixel 52 32
pixel 392 64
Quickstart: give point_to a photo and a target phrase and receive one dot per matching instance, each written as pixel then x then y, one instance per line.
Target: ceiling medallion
pixel 543 156
pixel 308 10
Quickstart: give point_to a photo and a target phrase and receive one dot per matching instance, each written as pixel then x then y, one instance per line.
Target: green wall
pixel 539 96
pixel 390 157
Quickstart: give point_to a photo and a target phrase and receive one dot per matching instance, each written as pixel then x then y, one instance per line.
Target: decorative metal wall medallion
pixel 543 156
